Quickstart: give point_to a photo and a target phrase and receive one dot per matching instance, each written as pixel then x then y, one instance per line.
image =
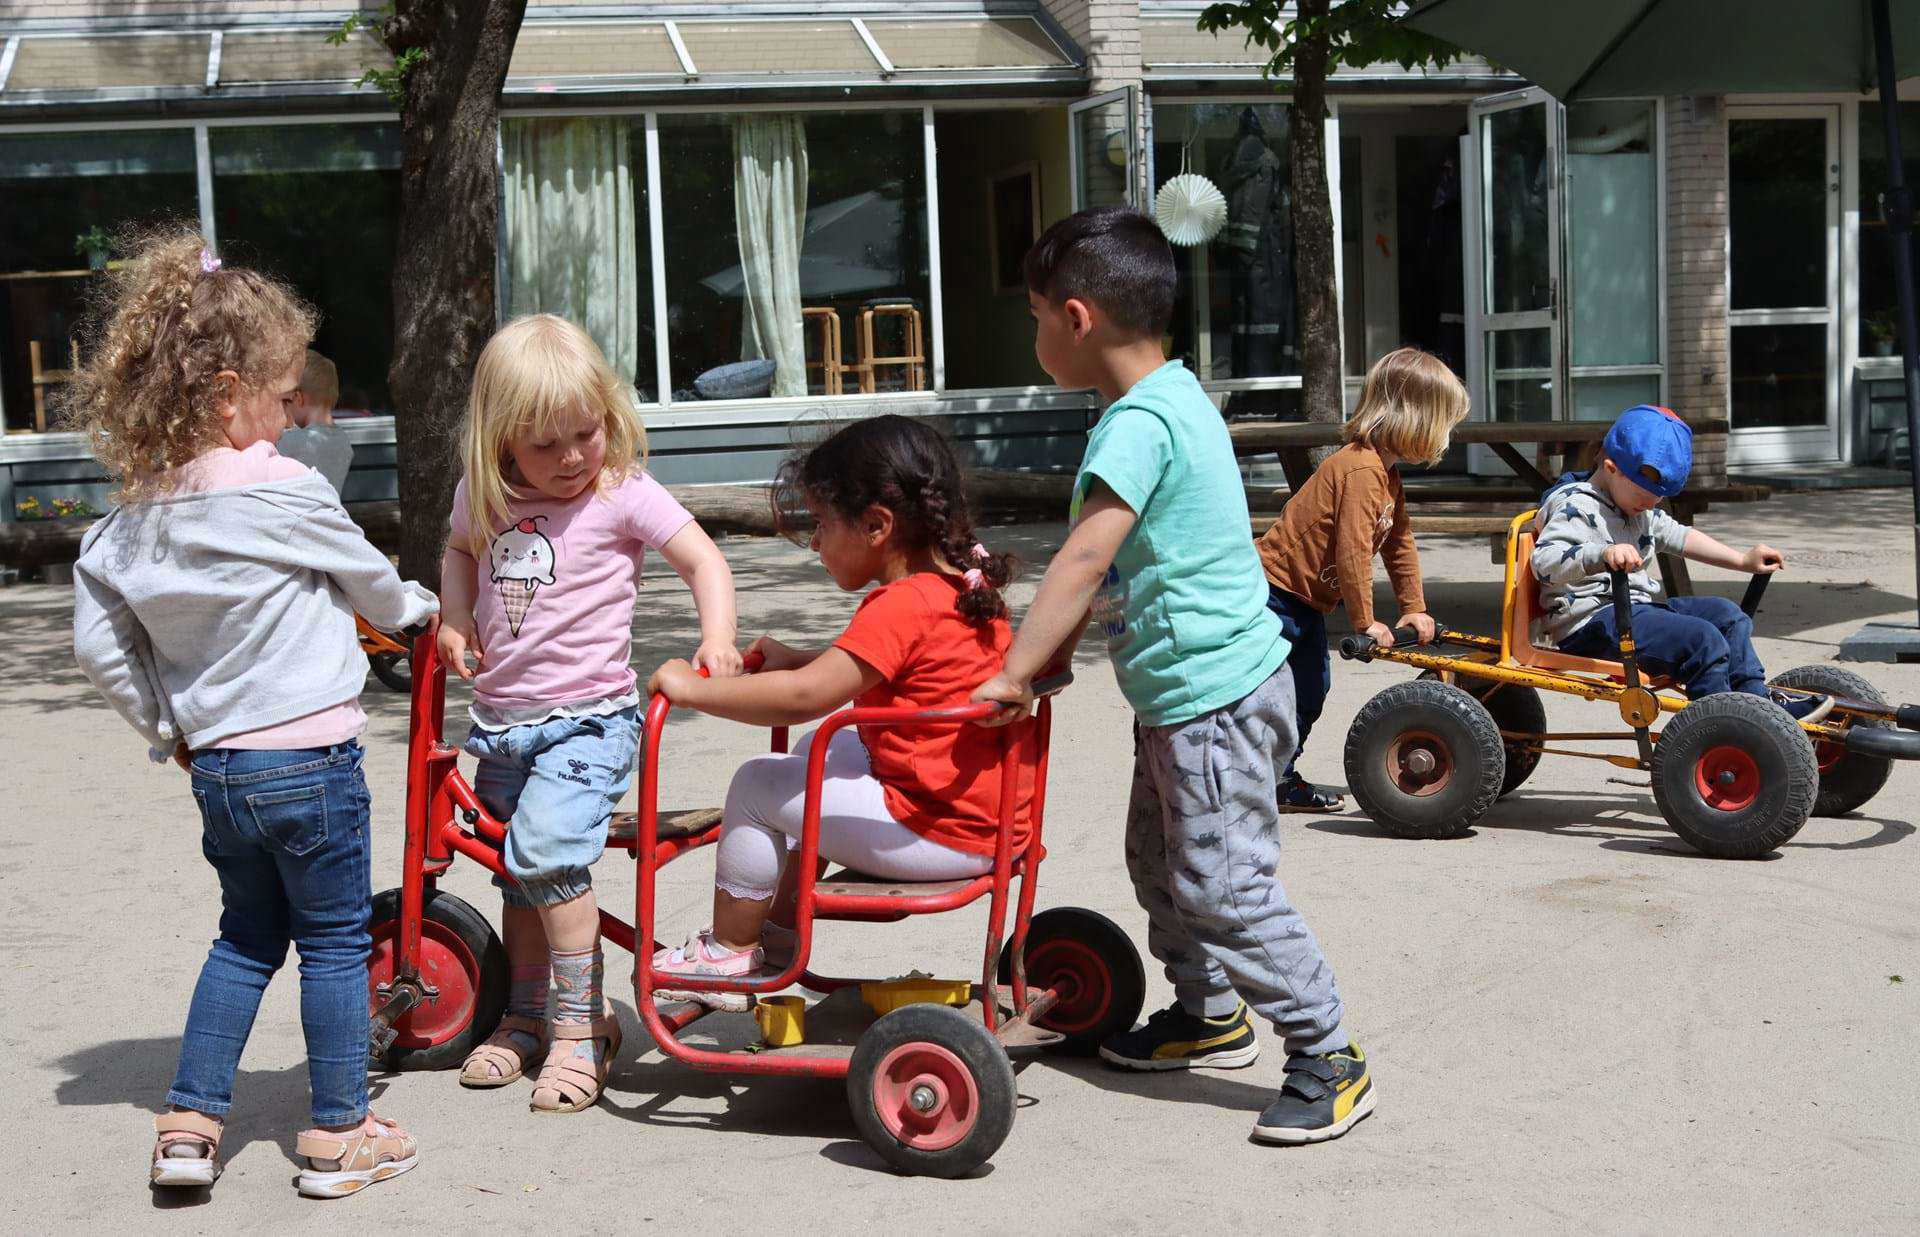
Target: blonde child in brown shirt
pixel 1320 552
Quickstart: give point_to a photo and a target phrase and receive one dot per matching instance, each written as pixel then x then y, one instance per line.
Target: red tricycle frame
pixel 1089 982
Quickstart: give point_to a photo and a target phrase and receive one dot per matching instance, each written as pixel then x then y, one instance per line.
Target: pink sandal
pixel 569 1081
pixel 499 1061
pixel 374 1152
pixel 186 1151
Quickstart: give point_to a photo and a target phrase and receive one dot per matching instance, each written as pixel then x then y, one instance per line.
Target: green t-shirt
pixel 1184 606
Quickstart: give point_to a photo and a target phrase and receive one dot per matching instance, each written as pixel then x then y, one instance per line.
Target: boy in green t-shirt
pixel 1159 554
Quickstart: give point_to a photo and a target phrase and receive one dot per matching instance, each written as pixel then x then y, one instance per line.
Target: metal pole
pixel 1898 208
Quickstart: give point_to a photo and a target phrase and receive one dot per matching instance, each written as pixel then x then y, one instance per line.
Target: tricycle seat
pixel 1524 613
pixel 623 832
pixel 848 883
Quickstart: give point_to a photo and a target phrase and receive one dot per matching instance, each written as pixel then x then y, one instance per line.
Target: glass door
pixel 1103 149
pixel 1783 283
pixel 1516 139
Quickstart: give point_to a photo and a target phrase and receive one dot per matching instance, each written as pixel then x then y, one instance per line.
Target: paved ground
pixel 1576 1023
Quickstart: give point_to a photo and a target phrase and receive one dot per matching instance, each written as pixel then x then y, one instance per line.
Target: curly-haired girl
pixel 213 608
pixel 887 507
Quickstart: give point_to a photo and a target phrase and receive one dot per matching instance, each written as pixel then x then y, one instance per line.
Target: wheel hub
pixel 1419 763
pixel 925 1096
pixel 1728 778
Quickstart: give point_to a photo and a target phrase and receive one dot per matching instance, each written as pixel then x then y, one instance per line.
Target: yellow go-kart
pixel 1732 774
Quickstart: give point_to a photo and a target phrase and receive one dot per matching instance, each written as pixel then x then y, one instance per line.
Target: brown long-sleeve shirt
pixel 1321 548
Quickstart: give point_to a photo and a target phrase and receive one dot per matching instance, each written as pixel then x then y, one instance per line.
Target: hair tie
pixel 976 579
pixel 980 553
pixel 208 263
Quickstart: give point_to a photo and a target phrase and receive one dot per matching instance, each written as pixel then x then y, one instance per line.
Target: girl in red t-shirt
pixel 912 804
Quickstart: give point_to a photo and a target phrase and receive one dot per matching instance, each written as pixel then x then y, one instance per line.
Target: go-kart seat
pixel 1524 609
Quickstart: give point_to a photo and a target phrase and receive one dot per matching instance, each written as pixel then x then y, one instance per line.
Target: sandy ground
pixel 1576 1023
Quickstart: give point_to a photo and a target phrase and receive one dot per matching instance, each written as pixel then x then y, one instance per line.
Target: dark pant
pixel 1312 666
pixel 287 834
pixel 1703 643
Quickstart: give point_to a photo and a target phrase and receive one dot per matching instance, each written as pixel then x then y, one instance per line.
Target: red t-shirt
pixel 941 782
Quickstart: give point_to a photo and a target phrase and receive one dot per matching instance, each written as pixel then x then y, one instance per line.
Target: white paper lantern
pixel 1190 209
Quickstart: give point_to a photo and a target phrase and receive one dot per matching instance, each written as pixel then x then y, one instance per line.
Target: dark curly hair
pixel 909 468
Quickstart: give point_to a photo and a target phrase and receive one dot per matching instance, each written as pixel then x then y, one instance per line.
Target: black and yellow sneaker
pixel 1321 1098
pixel 1176 1039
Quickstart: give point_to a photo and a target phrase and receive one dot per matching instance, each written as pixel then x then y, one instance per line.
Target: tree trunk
pixel 1315 295
pixel 446 247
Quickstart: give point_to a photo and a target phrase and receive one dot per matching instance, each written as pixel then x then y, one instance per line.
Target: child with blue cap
pixel 1610 519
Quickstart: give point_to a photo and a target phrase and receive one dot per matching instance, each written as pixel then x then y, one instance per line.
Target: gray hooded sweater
pixel 1575 526
pixel 204 615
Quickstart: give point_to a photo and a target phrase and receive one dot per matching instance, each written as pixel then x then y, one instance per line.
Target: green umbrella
pixel 1622 48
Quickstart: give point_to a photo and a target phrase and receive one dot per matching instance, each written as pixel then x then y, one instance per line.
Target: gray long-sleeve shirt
pixel 207 614
pixel 1576 525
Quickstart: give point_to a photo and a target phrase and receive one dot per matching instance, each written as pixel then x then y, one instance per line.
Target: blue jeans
pixel 1312 666
pixel 287 834
pixel 556 783
pixel 1703 643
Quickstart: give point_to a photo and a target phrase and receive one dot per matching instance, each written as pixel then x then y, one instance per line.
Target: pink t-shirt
pixel 556 587
pixel 223 468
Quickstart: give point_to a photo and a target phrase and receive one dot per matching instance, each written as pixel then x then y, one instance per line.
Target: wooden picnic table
pixel 1292 440
pixel 1551 440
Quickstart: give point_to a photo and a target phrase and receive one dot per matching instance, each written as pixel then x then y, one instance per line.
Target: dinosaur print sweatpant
pixel 1203 849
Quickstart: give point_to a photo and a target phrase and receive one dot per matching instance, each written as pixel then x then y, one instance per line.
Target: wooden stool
pixel 825 322
pixel 42 378
pixel 913 358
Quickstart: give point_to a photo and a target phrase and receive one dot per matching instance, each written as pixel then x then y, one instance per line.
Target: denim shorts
pixel 556 783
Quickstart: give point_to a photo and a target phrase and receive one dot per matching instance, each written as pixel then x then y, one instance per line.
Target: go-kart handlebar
pixel 1361 645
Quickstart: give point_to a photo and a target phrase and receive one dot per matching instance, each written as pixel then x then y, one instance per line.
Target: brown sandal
pixel 568 1082
pixel 187 1131
pixel 499 1061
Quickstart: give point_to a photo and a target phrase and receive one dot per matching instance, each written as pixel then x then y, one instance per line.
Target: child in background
pixel 1319 553
pixel 1159 552
pixel 549 527
pixel 213 608
pixel 888 508
pixel 1610 520
pixel 314 439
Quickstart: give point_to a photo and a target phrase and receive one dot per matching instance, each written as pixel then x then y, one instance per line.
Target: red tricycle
pixel 931 1085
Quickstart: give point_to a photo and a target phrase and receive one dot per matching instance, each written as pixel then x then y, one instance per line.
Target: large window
pixel 61 196
pixel 796 254
pixel 317 205
pixel 1234 316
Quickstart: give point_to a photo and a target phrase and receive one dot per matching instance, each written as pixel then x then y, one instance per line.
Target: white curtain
pixel 572 234
pixel 770 213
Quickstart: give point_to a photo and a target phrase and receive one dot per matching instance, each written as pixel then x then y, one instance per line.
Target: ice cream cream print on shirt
pixel 522 560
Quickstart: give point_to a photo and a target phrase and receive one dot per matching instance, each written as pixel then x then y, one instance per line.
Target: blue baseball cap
pixel 1649 436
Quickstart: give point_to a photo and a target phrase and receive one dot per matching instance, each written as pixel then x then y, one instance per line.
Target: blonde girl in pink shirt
pixel 213 609
pixel 549 528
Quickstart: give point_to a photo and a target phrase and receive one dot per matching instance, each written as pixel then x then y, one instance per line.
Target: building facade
pixel 774 215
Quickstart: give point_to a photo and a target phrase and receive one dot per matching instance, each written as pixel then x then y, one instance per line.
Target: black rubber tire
pixel 1788 776
pixel 1513 707
pixel 1107 999
pixel 394 670
pixel 1465 734
pixel 489 987
pixel 1853 779
pixel 979 1053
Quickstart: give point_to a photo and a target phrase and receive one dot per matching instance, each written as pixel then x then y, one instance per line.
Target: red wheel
pixel 1727 778
pixel 931 1091
pixel 1092 967
pixel 925 1096
pixel 460 958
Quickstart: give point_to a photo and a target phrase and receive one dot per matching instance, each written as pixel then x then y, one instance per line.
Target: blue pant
pixel 287 834
pixel 556 783
pixel 1703 643
pixel 1312 666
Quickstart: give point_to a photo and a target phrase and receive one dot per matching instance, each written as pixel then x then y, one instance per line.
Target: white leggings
pixel 762 821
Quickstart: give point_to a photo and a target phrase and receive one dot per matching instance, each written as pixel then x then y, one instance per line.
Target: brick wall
pixel 225 11
pixel 1697 356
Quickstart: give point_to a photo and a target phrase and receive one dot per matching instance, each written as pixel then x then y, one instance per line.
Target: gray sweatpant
pixel 1203 848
